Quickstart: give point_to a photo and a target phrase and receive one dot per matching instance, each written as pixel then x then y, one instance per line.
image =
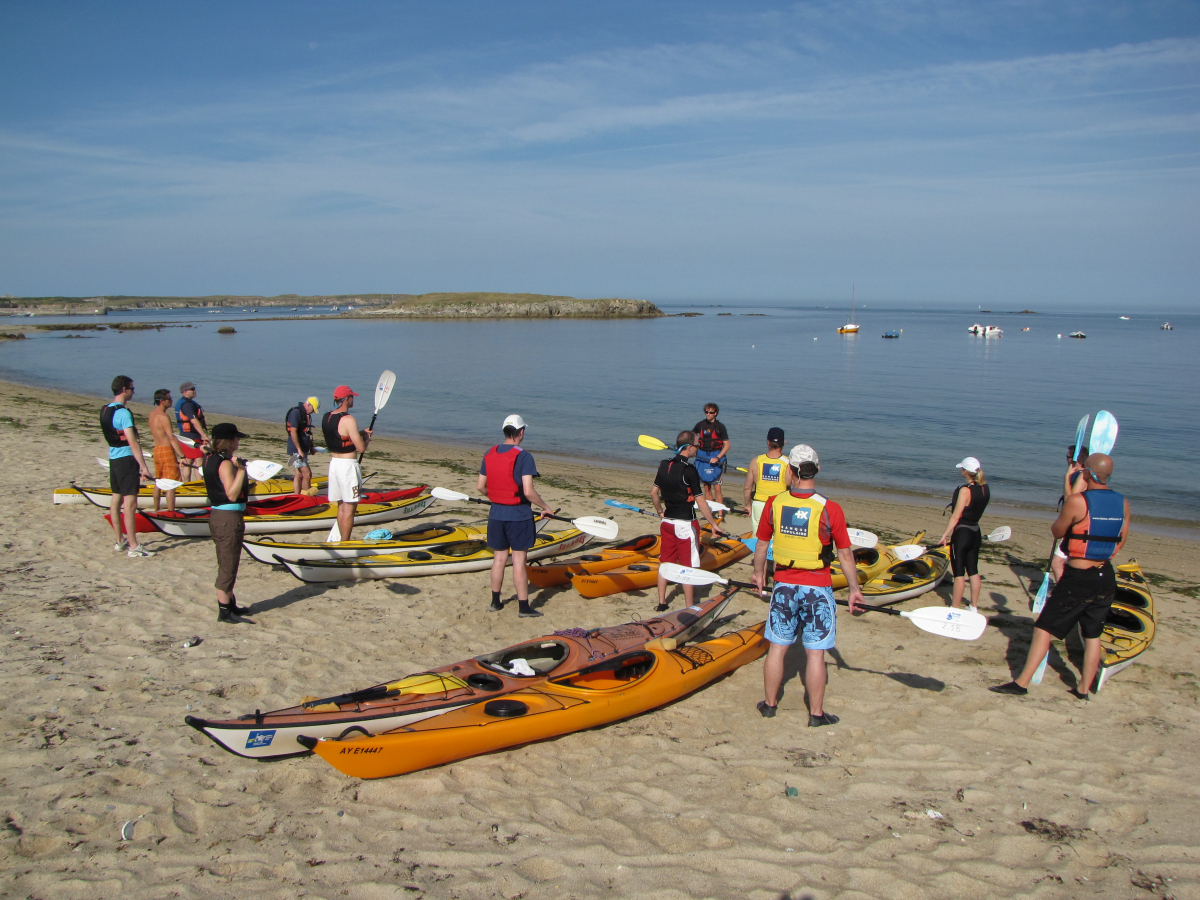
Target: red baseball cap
pixel 341 392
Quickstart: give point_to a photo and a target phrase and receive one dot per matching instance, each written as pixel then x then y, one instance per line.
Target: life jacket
pixel 502 486
pixel 186 426
pixel 333 440
pixel 797 523
pixel 1100 531
pixel 115 438
pixel 304 432
pixel 973 511
pixel 708 437
pixel 213 484
pixel 768 476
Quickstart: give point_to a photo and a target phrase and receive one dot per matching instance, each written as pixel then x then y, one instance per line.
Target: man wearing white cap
pixel 806 529
pixel 968 503
pixel 506 478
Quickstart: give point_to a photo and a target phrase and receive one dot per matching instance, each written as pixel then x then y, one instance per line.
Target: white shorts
pixel 756 508
pixel 345 480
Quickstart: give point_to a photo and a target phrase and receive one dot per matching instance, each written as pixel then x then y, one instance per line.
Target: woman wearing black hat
pixel 226 481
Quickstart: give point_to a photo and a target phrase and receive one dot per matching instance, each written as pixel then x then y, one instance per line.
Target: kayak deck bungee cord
pixel 383 707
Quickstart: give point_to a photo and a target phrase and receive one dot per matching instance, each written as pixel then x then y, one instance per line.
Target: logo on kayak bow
pixel 260 739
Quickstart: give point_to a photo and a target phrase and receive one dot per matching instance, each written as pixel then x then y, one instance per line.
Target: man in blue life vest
pixel 125 464
pixel 807 529
pixel 298 422
pixel 1093 526
pixel 189 415
pixel 506 479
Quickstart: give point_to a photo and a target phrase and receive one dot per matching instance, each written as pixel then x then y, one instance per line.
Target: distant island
pixel 468 305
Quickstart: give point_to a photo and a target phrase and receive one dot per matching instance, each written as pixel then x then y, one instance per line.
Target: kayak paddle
pixel 605 529
pixel 1003 533
pixel 1080 434
pixel 858 538
pixel 167 484
pixel 261 470
pixel 383 390
pixel 1104 433
pixel 963 624
pixel 1038 602
pixel 651 443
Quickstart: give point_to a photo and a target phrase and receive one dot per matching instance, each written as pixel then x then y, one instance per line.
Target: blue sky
pixel 1020 154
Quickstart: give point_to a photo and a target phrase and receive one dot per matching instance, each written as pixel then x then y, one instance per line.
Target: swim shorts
pixel 124 476
pixel 345 480
pixel 165 463
pixel 191 452
pixel 1083 596
pixel 519 535
pixel 298 461
pixel 680 542
pixel 805 611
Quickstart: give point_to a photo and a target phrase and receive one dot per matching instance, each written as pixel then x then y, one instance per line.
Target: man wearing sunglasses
pixel 1093 526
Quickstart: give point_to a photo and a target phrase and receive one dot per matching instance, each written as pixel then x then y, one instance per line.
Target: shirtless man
pixel 345 442
pixel 166 447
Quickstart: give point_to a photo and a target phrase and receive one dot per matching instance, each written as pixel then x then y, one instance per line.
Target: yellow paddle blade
pixel 651 443
pixel 426 684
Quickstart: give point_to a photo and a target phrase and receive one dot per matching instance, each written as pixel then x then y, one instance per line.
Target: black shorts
pixel 124 476
pixel 964 551
pixel 520 535
pixel 1083 596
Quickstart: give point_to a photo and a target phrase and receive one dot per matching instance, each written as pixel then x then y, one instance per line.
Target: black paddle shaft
pixel 369 428
pixel 543 515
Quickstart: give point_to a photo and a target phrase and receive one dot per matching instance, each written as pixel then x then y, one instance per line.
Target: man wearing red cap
pixel 345 443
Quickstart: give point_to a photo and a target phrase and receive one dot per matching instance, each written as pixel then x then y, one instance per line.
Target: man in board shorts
pixel 300 443
pixel 189 415
pixel 806 528
pixel 676 488
pixel 166 446
pixel 346 443
pixel 125 464
pixel 506 479
pixel 1093 526
pixel 712 443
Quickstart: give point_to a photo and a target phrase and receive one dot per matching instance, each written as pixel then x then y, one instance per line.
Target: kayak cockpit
pixel 539 658
pixel 614 673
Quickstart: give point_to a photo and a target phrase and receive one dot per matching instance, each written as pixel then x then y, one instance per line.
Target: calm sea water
pixel 885 413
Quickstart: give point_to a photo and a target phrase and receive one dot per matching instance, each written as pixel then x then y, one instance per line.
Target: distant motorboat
pixel 293 309
pixel 1024 329
pixel 1167 326
pixel 1077 334
pixel 335 309
pixel 1126 318
pixel 892 334
pixel 986 330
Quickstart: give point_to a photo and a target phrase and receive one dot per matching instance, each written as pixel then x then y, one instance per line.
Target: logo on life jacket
pixel 797 541
pixel 1101 530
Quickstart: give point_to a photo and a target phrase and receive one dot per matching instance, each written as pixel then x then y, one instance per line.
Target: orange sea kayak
pixel 632 683
pixel 558 573
pixel 643 575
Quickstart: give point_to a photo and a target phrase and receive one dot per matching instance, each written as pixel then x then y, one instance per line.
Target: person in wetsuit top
pixel 968 503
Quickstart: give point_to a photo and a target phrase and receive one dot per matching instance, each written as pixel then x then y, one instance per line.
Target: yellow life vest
pixel 797 524
pixel 768 476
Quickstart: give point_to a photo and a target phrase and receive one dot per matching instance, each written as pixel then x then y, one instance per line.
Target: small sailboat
pixel 1167 326
pixel 850 327
pixel 1126 318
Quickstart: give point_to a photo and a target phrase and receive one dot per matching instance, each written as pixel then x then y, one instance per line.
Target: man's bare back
pixel 161 431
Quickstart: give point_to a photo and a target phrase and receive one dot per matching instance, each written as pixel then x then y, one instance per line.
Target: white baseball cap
pixel 802 453
pixel 515 421
pixel 971 464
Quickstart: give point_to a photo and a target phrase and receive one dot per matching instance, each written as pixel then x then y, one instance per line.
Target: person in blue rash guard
pixel 125 464
pixel 506 478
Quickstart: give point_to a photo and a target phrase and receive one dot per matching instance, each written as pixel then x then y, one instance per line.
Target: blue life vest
pixel 709 472
pixel 1101 531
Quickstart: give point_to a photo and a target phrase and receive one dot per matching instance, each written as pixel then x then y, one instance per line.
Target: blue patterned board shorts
pixel 804 611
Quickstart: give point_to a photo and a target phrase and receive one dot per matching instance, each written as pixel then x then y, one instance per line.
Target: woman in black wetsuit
pixel 968 503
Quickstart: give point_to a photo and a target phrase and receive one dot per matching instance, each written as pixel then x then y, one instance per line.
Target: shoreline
pixel 108 793
pixel 429 445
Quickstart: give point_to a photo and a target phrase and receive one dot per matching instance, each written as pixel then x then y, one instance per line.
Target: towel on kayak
pixel 379 534
pixel 520 667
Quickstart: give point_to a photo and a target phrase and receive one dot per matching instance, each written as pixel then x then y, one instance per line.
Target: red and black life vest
pixel 115 438
pixel 333 440
pixel 708 437
pixel 502 486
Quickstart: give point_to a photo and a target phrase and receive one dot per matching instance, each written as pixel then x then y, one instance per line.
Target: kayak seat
pixel 419 555
pixel 612 673
pixel 903 579
pixel 542 656
pixel 866 556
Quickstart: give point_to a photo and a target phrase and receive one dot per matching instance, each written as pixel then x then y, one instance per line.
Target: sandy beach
pixel 1042 796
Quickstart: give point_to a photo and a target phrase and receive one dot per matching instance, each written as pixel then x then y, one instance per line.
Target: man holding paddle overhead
pixel 345 443
pixel 506 477
pixel 806 528
pixel 676 488
pixel 1093 526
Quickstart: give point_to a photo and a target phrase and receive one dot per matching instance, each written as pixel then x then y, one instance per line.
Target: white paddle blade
pixel 335 534
pixel 186 441
pixel 860 538
pixel 1003 533
pixel 262 470
pixel 1080 434
pixel 908 552
pixel 597 526
pixel 651 443
pixel 1104 433
pixel 687 575
pixel 167 484
pixel 963 624
pixel 442 493
pixel 383 390
pixel 102 462
pixel 714 507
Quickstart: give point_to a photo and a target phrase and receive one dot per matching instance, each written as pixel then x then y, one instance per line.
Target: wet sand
pixel 1043 796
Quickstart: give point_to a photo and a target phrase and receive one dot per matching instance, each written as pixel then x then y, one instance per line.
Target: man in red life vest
pixel 1093 526
pixel 506 478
